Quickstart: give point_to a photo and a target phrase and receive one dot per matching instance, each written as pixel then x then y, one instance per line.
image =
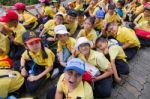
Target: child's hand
pixel 63 64
pixel 50 39
pixel 24 72
pixel 118 79
pixel 32 78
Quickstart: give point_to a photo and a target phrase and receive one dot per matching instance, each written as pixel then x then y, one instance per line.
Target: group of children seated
pixel 89 42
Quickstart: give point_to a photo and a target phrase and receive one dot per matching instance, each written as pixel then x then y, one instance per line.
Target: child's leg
pixel 103 88
pixel 131 52
pixel 66 54
pixel 122 67
pixel 144 42
pixel 51 92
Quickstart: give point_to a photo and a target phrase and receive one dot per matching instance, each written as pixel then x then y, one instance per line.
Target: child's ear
pixel 25 45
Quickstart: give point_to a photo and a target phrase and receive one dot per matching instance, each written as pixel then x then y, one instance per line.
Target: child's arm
pixel 23 70
pixel 127 45
pixel 43 32
pixel 106 74
pixel 58 95
pixel 61 59
pixel 117 78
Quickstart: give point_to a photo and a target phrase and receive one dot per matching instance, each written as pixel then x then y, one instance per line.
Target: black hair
pixel 72 12
pixel 111 6
pixel 101 39
pixel 91 19
pixel 80 13
pixel 44 54
pixel 121 2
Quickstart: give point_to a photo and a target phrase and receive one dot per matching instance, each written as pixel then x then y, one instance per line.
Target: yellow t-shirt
pixel 92 36
pixel 140 18
pixel 39 59
pixel 62 9
pixel 125 35
pixel 99 25
pixel 70 43
pixel 71 26
pixel 19 31
pixel 139 9
pixel 5 43
pixel 28 18
pixel 83 90
pixel 116 52
pixel 49 26
pixel 112 18
pixel 144 26
pixel 78 6
pixel 96 59
pixel 47 11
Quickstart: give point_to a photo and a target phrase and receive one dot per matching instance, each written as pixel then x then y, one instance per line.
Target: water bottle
pixel 31 72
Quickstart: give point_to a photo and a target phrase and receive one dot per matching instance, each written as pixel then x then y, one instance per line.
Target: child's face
pixel 97 20
pixel 34 46
pixel 59 20
pixel 147 13
pixel 70 18
pixel 101 45
pixel 56 4
pixel 84 49
pixel 111 11
pixel 73 78
pixel 62 37
pixel 113 29
pixel 87 25
pixel 118 5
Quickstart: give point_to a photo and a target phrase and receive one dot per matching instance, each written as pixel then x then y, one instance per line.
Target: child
pixel 88 30
pixel 91 9
pixel 99 17
pixel 70 84
pixel 27 18
pixel 58 7
pixel 49 26
pixel 112 16
pixel 76 5
pixel 119 8
pixel 36 62
pixel 103 82
pixel 14 30
pixel 126 36
pixel 70 21
pixel 117 56
pixel 10 80
pixel 81 18
pixel 47 11
pixel 143 31
pixel 65 44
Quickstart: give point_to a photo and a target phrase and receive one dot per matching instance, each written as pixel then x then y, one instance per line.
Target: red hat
pixel 10 16
pixel 19 6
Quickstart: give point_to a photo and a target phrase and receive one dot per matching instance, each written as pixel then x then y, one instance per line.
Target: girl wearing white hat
pixel 65 44
pixel 103 82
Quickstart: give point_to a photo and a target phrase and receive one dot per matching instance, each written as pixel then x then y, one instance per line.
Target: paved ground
pixel 134 86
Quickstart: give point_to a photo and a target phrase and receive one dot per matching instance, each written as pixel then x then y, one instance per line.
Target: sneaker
pixel 55 73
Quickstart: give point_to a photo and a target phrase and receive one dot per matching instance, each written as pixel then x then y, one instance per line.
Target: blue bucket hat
pixel 100 13
pixel 76 64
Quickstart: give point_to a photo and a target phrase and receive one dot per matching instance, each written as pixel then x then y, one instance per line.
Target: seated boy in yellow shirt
pixel 126 36
pixel 70 84
pixel 116 54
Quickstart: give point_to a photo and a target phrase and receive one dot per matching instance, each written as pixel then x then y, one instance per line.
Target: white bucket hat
pixel 60 29
pixel 82 40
